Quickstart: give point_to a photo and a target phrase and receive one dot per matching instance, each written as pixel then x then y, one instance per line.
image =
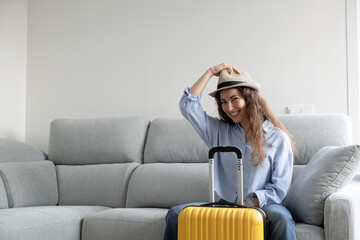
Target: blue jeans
pixel 281 225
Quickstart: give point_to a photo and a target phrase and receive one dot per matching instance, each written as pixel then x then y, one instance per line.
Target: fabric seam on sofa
pixel 57 183
pixel 127 185
pixel 339 173
pixel 7 189
pixel 145 143
pixel 117 220
pixel 44 225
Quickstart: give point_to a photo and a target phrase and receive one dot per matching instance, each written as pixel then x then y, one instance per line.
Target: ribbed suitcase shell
pixel 221 223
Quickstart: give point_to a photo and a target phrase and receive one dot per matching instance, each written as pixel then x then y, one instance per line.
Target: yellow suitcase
pixel 222 220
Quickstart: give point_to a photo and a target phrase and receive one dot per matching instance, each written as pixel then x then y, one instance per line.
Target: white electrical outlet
pixel 300 109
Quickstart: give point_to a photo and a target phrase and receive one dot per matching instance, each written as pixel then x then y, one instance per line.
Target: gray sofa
pixel 116 178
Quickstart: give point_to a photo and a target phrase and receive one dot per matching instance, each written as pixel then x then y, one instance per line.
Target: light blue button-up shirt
pixel 269 182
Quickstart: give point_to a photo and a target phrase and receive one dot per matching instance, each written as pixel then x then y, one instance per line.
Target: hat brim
pixel 253 85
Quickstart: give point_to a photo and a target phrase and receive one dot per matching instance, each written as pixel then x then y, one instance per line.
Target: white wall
pixel 353 53
pixel 13 37
pixel 96 58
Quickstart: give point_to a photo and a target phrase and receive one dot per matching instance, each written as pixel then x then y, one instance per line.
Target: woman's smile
pixel 233 104
pixel 234 113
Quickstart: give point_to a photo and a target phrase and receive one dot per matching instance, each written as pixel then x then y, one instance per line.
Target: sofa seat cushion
pixel 306 232
pixel 125 223
pixel 50 222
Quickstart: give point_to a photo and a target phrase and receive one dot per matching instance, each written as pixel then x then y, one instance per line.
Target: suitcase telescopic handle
pixel 236 150
pixel 214 150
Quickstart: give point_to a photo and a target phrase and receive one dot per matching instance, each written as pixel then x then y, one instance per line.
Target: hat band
pixel 229 83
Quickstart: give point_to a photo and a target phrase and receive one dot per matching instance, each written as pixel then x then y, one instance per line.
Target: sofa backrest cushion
pixel 97 141
pixel 30 183
pixel 100 184
pixel 174 141
pixel 166 185
pixel 13 151
pixel 3 197
pixel 312 132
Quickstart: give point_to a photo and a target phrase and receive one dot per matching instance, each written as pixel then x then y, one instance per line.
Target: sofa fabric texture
pixel 45 222
pixel 97 141
pixel 3 196
pixel 314 131
pixel 168 184
pixel 126 223
pixel 13 151
pixel 309 232
pixel 30 183
pixel 174 140
pixel 100 184
pixel 296 171
pixel 329 170
pixel 341 213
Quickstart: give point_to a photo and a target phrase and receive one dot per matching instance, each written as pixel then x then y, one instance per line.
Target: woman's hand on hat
pixel 215 70
pixel 200 84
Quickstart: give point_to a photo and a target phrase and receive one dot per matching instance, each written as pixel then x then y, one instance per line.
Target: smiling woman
pixel 247 123
pixel 233 104
pixel 250 118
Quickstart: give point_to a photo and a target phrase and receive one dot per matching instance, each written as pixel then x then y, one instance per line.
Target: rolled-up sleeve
pixel 192 110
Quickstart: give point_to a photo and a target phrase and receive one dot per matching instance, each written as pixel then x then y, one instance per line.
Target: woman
pixel 246 122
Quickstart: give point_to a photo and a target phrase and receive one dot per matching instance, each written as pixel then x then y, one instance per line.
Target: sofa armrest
pixel 29 183
pixel 342 211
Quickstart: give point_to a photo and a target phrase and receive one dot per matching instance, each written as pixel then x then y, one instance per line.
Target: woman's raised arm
pixel 200 84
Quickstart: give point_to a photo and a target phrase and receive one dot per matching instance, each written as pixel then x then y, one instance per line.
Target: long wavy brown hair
pixel 257 112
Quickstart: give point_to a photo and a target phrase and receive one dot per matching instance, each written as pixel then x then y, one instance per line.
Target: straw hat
pixel 227 80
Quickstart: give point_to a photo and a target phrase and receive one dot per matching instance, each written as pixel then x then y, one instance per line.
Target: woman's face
pixel 233 104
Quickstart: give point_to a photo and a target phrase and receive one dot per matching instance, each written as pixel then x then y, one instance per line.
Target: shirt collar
pixel 268 126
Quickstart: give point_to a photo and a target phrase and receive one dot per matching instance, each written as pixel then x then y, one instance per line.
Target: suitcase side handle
pixel 214 150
